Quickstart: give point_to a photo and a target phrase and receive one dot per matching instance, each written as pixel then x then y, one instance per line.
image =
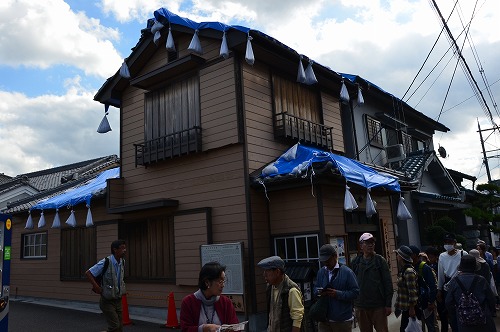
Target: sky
pixel 55 55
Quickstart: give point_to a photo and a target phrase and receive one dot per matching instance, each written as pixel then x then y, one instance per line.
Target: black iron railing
pixel 168 146
pixel 295 128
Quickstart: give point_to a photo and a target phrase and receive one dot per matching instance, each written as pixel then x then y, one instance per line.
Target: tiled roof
pixel 413 165
pixel 4 178
pixel 51 182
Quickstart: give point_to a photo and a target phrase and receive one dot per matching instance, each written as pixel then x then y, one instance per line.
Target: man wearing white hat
pixel 374 302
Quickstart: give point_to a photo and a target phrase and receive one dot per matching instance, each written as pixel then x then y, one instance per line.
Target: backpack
pixel 98 278
pixel 469 310
pixel 423 287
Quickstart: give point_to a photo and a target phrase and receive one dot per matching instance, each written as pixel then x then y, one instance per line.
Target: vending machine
pixel 5 243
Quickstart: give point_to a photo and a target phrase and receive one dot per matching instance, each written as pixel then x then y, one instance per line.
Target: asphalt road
pixel 27 317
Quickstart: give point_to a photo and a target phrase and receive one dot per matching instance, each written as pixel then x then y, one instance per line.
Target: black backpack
pixel 469 310
pixel 98 278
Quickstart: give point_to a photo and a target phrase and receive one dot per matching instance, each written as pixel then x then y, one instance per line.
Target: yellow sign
pixel 8 224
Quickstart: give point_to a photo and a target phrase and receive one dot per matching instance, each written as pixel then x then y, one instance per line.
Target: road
pixel 26 317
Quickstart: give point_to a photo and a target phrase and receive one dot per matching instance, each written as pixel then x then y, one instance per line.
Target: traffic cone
pixel 172 312
pixel 125 317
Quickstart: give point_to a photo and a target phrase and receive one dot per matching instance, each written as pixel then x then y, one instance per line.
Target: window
pixel 295 99
pixel 407 142
pixel 374 130
pixel 173 109
pixel 300 248
pixel 35 245
pixel 78 252
pixel 150 249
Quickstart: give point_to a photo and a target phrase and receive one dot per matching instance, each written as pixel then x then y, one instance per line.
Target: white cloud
pixel 49 130
pixel 42 34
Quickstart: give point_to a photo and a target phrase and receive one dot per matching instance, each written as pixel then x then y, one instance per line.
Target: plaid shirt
pixel 407 288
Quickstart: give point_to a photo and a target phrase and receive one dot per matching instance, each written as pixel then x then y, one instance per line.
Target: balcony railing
pixel 168 146
pixel 294 128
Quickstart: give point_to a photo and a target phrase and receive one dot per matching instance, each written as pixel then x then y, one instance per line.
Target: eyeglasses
pixel 221 282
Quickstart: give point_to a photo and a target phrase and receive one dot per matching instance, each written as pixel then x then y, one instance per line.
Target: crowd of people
pixel 432 286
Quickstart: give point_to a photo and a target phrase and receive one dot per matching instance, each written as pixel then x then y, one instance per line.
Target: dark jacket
pixel 347 289
pixel 374 280
pixel 427 283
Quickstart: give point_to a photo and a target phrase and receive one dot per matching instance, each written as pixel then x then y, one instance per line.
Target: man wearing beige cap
pixel 286 304
pixel 374 302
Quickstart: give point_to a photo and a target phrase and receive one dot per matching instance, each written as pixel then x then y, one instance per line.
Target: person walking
pixel 339 284
pixel 427 290
pixel 285 301
pixel 112 287
pixel 479 288
pixel 374 302
pixel 407 293
pixel 448 264
pixel 207 309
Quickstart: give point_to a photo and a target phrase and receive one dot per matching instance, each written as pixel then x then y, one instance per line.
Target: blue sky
pixel 55 55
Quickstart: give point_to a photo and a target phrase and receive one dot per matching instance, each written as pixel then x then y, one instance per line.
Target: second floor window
pixel 172 109
pixel 295 99
pixel 374 130
pixel 407 142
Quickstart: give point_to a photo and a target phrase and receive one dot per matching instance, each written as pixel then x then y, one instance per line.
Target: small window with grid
pixel 35 245
pixel 298 248
pixel 374 130
pixel 407 142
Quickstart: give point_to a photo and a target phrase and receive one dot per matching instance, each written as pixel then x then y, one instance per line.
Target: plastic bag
pixel 414 325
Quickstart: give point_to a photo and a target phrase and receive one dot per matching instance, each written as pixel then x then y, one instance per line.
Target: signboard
pixel 230 255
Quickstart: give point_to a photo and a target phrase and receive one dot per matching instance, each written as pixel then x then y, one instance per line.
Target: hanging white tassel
pixel 403 213
pixel 29 222
pixel 249 57
pixel 157 26
pixel 344 94
pixel 170 41
pixel 370 207
pixel 104 126
pixel 361 100
pixel 301 75
pixel 57 221
pixel 124 72
pixel 310 76
pixel 224 50
pixel 41 221
pixel 156 37
pixel 89 221
pixel 349 201
pixel 195 44
pixel 71 219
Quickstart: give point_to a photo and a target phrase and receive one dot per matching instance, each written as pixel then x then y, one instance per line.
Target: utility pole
pixel 485 159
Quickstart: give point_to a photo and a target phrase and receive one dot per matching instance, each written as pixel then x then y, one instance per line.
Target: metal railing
pixel 295 128
pixel 168 146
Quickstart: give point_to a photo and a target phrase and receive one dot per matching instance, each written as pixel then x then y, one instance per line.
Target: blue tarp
pixel 81 194
pixel 165 16
pixel 299 159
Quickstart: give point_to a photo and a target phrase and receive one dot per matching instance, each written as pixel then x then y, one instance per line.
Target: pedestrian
pixel 448 264
pixel 480 289
pixel 483 269
pixel 432 256
pixel 207 309
pixel 427 290
pixel 374 302
pixel 338 283
pixel 486 255
pixel 284 298
pixel 407 293
pixel 112 287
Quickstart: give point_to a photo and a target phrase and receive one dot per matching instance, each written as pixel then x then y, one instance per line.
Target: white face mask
pixel 448 247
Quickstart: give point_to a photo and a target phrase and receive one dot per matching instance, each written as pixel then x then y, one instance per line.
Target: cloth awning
pixel 82 194
pixel 299 158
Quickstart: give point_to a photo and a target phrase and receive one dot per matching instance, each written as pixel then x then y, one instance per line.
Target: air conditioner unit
pixel 395 153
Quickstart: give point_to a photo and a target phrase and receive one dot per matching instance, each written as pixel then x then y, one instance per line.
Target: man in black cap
pixel 286 304
pixel 448 264
pixel 338 282
pixel 407 295
pixel 427 286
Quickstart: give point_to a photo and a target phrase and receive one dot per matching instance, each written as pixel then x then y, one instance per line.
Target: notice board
pixel 230 255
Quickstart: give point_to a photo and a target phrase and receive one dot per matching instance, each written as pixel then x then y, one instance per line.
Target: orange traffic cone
pixel 125 317
pixel 172 312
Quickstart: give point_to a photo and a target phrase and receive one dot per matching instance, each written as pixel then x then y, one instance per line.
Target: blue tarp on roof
pixel 164 16
pixel 82 194
pixel 299 159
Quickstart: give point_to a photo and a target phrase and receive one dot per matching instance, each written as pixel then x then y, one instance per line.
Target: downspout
pixel 242 139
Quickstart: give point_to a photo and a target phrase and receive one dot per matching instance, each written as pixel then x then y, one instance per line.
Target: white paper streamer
pixel 301 75
pixel 89 222
pixel 361 100
pixel 344 94
pixel 370 207
pixel 124 72
pixel 29 222
pixel 310 76
pixel 403 213
pixel 41 221
pixel 249 57
pixel 349 201
pixel 224 50
pixel 195 44
pixel 170 41
pixel 57 221
pixel 71 219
